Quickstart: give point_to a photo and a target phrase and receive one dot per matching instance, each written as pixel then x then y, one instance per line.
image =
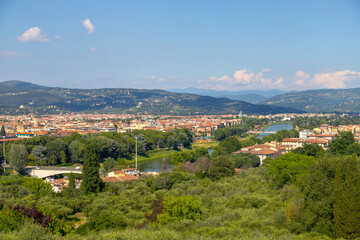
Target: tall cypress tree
pixel 2 131
pixel 91 178
pixel 71 181
pixel 347 199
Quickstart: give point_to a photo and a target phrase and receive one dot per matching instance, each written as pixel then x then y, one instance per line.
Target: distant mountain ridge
pixel 322 100
pixel 252 96
pixel 17 97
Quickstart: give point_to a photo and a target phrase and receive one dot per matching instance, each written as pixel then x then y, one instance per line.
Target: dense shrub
pixel 176 208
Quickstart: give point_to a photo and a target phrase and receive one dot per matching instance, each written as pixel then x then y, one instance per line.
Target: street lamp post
pixel 136 138
pixel 4 152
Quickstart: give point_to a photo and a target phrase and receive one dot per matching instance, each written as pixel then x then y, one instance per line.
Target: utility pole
pixel 4 152
pixel 136 138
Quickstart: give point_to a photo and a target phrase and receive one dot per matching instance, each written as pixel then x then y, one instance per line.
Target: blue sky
pixel 227 45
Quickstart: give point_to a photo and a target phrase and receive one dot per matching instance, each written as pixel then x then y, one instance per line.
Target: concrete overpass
pixel 44 172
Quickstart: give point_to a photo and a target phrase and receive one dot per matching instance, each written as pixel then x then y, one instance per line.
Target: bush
pixel 37 186
pixel 220 167
pixel 182 207
pixel 9 220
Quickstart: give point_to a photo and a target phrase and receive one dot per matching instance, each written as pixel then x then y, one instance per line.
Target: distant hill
pixel 251 96
pixel 323 100
pixel 18 97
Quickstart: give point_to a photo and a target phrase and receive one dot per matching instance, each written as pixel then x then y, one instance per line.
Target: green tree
pixel 18 157
pixel 31 160
pixel 40 153
pixel 246 160
pixel 77 150
pixel 171 142
pixel 2 131
pixel 230 144
pixel 37 186
pixel 63 157
pixel 176 208
pixel 106 147
pixel 91 179
pixel 221 166
pixel 317 188
pixel 52 159
pixel 341 142
pixel 71 184
pixel 10 220
pixel 75 136
pixel 109 164
pixel 353 148
pixel 307 149
pixel 347 199
pixel 55 147
pixel 285 169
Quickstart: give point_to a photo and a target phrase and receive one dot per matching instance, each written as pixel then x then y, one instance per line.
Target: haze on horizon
pixel 221 45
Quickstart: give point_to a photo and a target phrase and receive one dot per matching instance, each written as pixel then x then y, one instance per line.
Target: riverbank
pixel 276 123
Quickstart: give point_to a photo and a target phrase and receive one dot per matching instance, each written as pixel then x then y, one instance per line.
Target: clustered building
pixel 321 136
pixel 28 126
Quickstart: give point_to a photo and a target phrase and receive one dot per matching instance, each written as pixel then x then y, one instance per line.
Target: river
pixel 275 128
pixel 154 165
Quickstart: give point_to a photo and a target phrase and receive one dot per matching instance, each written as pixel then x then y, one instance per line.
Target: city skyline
pixel 227 45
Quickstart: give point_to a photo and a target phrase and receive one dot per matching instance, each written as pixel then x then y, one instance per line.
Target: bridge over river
pixel 44 172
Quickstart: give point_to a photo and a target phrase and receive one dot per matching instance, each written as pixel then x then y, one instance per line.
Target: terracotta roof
pixel 263 152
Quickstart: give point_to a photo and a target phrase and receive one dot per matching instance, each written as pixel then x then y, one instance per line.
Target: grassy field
pixel 157 154
pixel 151 155
pixel 206 145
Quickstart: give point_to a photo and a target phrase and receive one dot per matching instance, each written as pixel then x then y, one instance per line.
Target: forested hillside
pixel 20 97
pixel 323 100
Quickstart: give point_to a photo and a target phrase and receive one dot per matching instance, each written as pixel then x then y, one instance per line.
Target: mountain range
pixel 322 100
pixel 251 96
pixel 17 97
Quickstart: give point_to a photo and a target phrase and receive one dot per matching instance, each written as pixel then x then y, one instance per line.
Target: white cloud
pixel 33 34
pixel 227 80
pixel 7 53
pixel 301 77
pixel 266 70
pixel 334 79
pixel 242 79
pixel 94 49
pixel 243 76
pixel 88 25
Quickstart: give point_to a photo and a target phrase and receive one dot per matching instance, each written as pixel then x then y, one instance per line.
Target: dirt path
pixel 83 220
